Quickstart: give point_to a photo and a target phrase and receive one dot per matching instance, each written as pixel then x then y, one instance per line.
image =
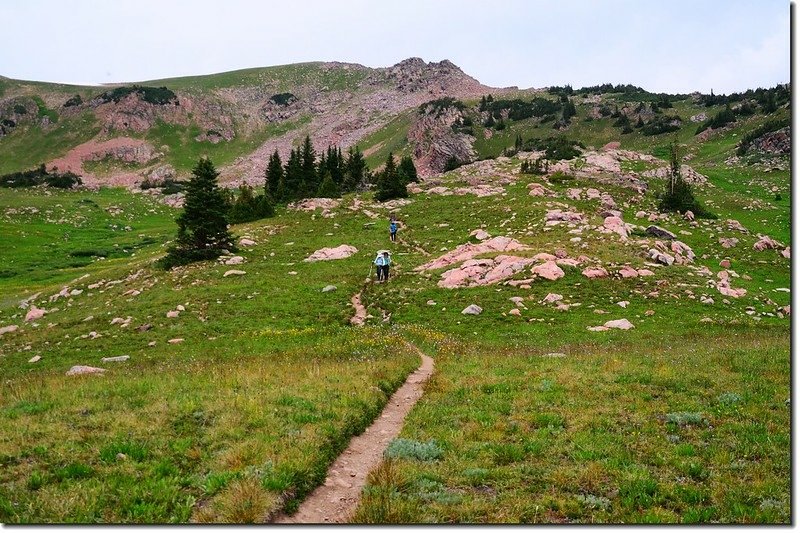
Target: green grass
pixel 28 146
pixel 184 151
pixel 682 419
pixel 601 443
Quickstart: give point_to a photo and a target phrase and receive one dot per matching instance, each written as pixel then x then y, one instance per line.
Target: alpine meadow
pixel 585 310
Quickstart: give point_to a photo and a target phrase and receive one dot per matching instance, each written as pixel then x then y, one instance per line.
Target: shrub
pixel 74 101
pixel 560 177
pixel 249 207
pixel 439 106
pixel 685 418
pixel 283 98
pixel 661 124
pixel 152 95
pixel 40 176
pixel 678 195
pixel 20 109
pixel 726 116
pixel 412 449
pixel 452 163
pixel 555 148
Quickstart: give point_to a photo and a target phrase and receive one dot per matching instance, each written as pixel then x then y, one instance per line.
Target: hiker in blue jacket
pixel 393 230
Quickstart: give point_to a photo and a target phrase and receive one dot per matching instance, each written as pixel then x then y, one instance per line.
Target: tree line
pixel 208 209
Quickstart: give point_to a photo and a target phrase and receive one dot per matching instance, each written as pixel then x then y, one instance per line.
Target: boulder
pixel 234 273
pixel 628 272
pixel 725 263
pixel 467 251
pixel 766 243
pixel 515 312
pixel 615 224
pixel 173 314
pixel 8 329
pixel 35 359
pixel 688 215
pixel 595 272
pixel 246 242
pixel 640 214
pixel 328 288
pixel 645 272
pixel 661 257
pixel 735 225
pixel 34 313
pixel 480 234
pixel 235 260
pixel 622 323
pixel 787 252
pixel 729 242
pixel 661 233
pixel 79 370
pixel 548 270
pixel 472 309
pixel 551 298
pixel 116 359
pixel 329 254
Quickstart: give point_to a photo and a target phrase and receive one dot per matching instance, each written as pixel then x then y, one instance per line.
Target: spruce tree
pixel 274 175
pixel 407 170
pixel 203 225
pixel 310 178
pixel 292 178
pixel 355 170
pixel 328 187
pixel 389 184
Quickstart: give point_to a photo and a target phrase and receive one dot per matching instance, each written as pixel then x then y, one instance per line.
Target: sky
pixel 676 46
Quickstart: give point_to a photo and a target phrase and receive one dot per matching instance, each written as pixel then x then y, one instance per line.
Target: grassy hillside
pixel 240 390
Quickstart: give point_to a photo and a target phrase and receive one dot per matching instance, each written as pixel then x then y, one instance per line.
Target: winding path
pixel 337 499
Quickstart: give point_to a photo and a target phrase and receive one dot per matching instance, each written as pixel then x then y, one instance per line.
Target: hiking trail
pixel 361 311
pixel 336 500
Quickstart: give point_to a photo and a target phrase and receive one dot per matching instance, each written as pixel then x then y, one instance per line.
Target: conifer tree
pixel 389 184
pixel 310 179
pixel 292 178
pixel 327 188
pixel 273 175
pixel 407 170
pixel 203 225
pixel 355 170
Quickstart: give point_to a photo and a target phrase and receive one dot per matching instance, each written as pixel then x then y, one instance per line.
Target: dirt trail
pixel 337 499
pixel 361 312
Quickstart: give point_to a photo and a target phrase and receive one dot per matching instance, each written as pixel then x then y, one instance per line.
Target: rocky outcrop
pixel 435 141
pixel 776 143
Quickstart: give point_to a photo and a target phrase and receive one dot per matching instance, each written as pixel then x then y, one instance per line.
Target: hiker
pixel 379 266
pixel 382 261
pixel 393 229
pixel 386 262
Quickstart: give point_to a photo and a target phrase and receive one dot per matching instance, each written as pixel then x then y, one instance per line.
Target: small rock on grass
pixel 79 370
pixel 35 359
pixel 472 309
pixel 329 288
pixel 117 359
pixel 175 341
pixel 234 273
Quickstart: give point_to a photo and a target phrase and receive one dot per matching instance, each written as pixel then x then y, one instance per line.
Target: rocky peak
pixel 415 75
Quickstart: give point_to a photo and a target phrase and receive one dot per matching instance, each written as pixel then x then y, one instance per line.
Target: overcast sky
pixel 674 46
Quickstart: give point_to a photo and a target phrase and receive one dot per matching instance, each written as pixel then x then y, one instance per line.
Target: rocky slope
pixel 334 103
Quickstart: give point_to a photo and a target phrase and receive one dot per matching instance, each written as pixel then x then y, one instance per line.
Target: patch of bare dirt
pixel 124 149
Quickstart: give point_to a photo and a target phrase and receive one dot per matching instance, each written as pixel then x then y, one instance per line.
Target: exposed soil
pixel 337 499
pixel 361 312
